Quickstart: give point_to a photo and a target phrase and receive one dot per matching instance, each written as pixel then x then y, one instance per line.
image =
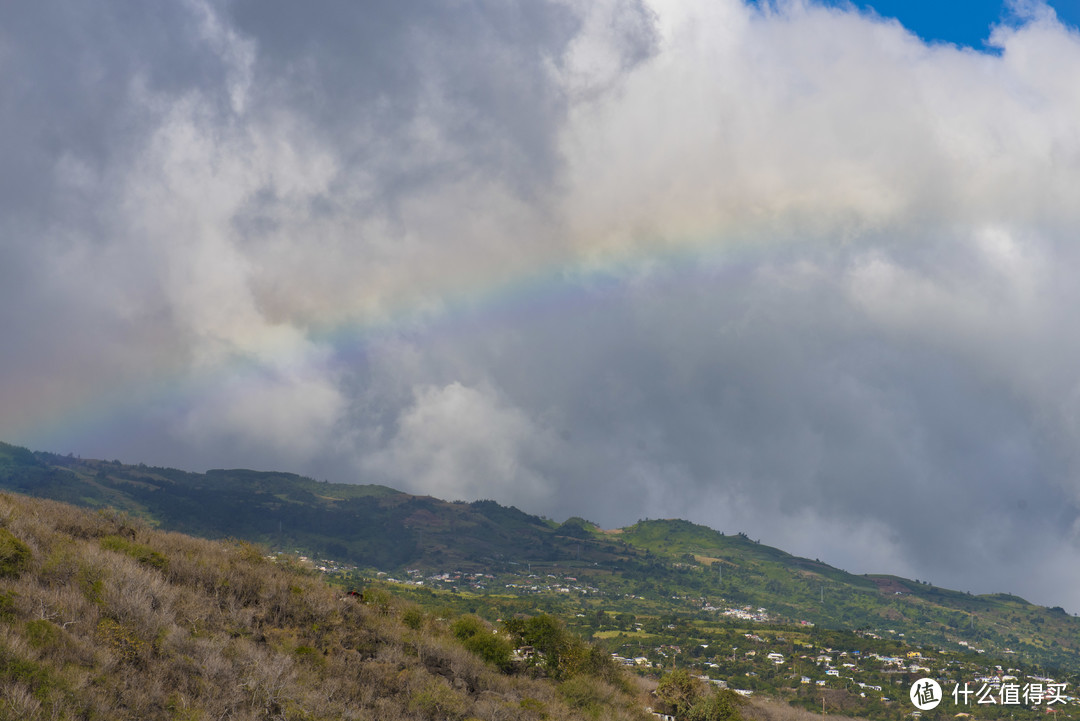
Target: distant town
pixel 750 650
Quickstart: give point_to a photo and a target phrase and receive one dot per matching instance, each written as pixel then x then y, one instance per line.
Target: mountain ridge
pixel 378 528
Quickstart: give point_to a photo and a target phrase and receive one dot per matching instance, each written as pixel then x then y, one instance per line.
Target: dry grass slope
pixel 102 617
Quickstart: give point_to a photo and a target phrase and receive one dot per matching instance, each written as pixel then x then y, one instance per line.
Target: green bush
pixel 492 649
pixel 531 704
pixel 180 710
pixel 311 656
pixel 380 599
pixel 123 641
pixel 34 676
pixel 721 705
pixel 91 583
pixel 584 694
pixel 14 555
pixel 41 633
pixel 478 639
pixel 437 700
pixel 413 618
pixel 466 627
pixel 141 553
pixel 7 606
pixel 680 690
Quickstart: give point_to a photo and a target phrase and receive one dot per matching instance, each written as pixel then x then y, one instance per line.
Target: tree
pixel 475 635
pixel 720 705
pixel 564 655
pixel 679 690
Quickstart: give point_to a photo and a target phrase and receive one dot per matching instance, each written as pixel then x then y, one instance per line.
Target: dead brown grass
pixel 114 620
pixel 763 709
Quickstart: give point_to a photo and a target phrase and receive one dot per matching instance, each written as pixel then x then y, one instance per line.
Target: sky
pixel 806 271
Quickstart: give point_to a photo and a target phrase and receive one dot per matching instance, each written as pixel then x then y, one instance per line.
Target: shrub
pixel 311 656
pixel 91 583
pixel 30 674
pixel 586 659
pixel 41 633
pixel 248 551
pixel 492 649
pixel 141 553
pixel 584 694
pixel 180 710
pixel 679 690
pixel 466 627
pixel 14 555
pixel 123 641
pixel 379 599
pixel 721 705
pixel 476 636
pixel 531 704
pixel 437 700
pixel 413 618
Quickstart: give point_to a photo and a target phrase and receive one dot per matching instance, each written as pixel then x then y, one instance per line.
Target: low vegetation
pixel 102 617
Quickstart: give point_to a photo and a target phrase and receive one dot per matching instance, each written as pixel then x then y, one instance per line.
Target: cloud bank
pixel 779 268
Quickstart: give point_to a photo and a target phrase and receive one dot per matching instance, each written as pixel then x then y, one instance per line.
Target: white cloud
pixel 460 442
pixel 287 410
pixel 812 122
pixel 592 258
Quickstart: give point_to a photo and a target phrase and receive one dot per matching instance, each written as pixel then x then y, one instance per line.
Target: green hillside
pixel 652 569
pixel 795 589
pixel 364 525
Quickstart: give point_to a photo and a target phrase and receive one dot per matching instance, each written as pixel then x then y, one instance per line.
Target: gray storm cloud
pixel 784 269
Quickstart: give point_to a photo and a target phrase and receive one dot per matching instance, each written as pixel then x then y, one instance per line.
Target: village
pixel 858 681
pixel 752 651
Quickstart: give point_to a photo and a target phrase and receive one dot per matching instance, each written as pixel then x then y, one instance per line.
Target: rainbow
pixel 462 305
